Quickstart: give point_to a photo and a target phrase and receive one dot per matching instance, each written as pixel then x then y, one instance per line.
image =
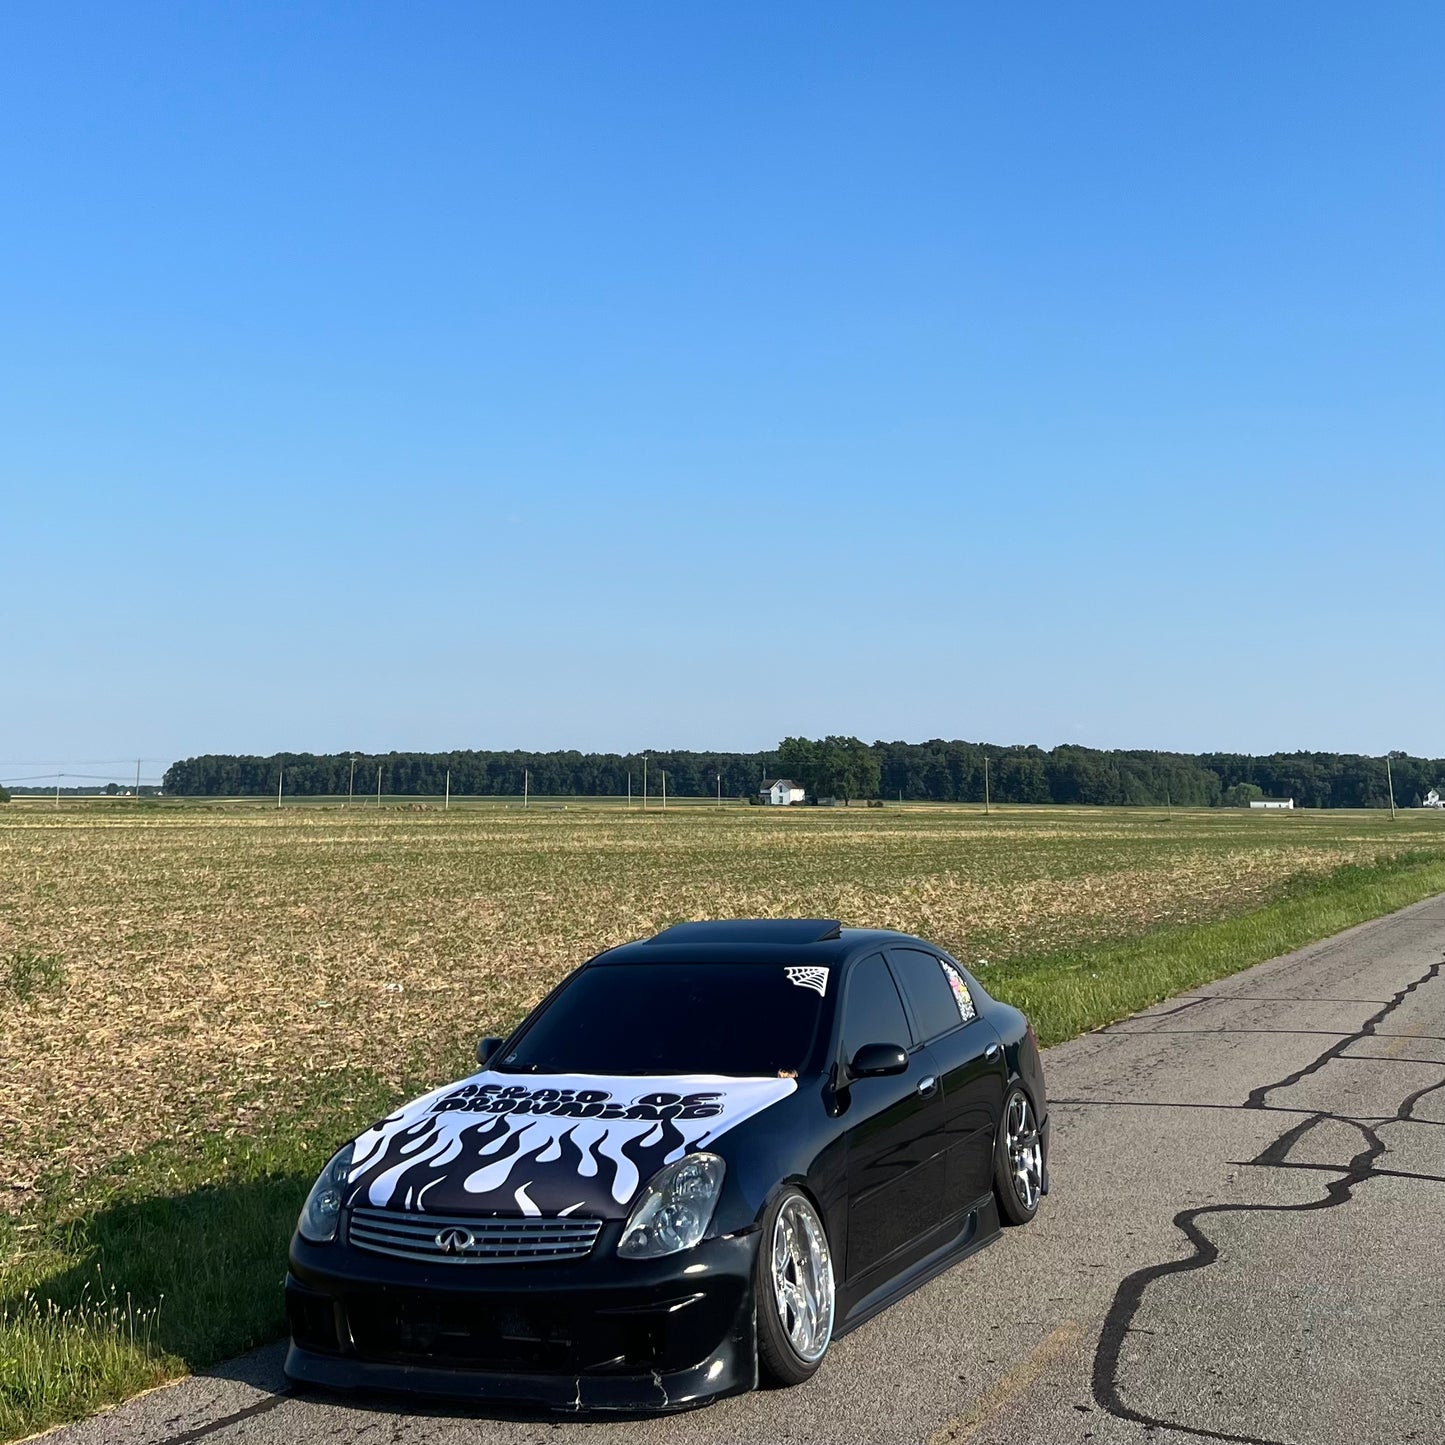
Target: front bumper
pixel 601 1333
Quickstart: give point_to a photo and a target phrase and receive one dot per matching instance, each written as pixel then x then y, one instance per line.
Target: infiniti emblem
pixel 455 1241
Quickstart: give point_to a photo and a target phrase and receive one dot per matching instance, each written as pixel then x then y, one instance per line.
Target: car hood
pixel 551 1145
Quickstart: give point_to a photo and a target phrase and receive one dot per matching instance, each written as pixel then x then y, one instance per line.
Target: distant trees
pixel 4 796
pixel 832 767
pixel 476 774
pixel 846 768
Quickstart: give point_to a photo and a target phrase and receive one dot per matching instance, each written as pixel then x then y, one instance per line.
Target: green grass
pixel 26 973
pixel 169 1261
pixel 1066 994
pixel 271 939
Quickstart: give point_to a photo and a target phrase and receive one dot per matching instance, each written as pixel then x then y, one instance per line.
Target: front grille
pixel 469 1239
pixel 464 1333
pixel 556 1332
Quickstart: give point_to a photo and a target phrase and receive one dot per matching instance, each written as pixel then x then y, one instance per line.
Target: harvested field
pixel 167 974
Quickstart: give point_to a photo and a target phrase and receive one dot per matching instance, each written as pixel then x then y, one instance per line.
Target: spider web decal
pixel 813 978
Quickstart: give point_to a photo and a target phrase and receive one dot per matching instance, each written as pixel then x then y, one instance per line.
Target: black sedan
pixel 699 1160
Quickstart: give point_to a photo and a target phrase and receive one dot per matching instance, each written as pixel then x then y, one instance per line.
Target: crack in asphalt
pixel 1275 998
pixel 1267 1108
pixel 1335 1169
pixel 1366 1030
pixel 1322 1033
pixel 1392 1059
pixel 1118 1322
pixel 1177 1009
pixel 260 1407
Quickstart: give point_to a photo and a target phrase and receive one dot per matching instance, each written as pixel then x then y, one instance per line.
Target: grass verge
pixel 174 1258
pixel 1068 993
pixel 171 1260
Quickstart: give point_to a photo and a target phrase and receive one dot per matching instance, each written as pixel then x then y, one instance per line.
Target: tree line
pixel 841 767
pixel 473 774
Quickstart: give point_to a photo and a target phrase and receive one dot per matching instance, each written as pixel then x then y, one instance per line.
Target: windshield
pixel 750 1019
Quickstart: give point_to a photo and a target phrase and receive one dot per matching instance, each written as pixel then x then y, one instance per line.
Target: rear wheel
pixel 1018 1181
pixel 794 1291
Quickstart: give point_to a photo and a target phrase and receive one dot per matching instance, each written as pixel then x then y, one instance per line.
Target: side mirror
pixel 874 1060
pixel 487 1048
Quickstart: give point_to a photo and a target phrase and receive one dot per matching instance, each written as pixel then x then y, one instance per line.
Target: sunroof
pixel 752 930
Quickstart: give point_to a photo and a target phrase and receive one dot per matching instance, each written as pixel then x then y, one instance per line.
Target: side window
pixel 873 1013
pixel 933 990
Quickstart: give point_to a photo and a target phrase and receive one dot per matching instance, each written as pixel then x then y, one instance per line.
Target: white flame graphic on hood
pixel 569 1141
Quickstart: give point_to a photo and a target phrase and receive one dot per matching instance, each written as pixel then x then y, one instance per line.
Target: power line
pixel 77 762
pixel 79 778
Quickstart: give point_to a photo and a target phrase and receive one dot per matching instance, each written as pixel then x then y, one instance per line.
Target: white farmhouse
pixel 1271 803
pixel 779 792
pixel 1433 800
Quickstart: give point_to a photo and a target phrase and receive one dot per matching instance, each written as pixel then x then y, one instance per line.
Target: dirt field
pixel 171 973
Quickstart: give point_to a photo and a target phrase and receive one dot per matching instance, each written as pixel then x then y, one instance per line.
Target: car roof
pixel 754 940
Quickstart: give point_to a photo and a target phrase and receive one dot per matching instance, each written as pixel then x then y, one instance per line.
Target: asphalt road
pixel 1245 1242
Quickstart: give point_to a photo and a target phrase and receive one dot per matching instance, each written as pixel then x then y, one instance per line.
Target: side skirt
pixel 979 1227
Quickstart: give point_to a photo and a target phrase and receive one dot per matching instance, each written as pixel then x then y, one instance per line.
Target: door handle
pixel 928 1085
pixel 992 1052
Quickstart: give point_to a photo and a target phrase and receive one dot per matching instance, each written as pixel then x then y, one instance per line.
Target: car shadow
pixel 196 1276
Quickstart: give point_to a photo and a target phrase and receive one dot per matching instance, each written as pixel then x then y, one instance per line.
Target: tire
pixel 794 1289
pixel 1018 1164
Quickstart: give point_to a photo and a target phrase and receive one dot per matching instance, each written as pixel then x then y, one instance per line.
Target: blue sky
pixel 632 375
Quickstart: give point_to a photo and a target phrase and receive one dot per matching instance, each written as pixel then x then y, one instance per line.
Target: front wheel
pixel 1018 1171
pixel 794 1282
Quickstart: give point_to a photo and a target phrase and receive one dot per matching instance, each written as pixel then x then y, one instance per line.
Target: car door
pixel 894 1136
pixel 970 1063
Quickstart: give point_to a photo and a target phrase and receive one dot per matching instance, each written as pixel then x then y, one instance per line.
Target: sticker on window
pixel 961 995
pixel 813 978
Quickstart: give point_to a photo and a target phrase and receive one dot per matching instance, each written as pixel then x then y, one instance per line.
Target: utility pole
pixel 351 782
pixel 644 782
pixel 985 784
pixel 664 790
pixel 280 778
pixel 1390 784
pixel 526 785
pixel 1168 806
pixel 719 787
pixel 629 791
pixel 446 807
pixel 137 777
pixel 58 777
pixel 378 785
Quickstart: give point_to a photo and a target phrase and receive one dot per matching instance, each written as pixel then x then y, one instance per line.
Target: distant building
pixel 779 792
pixel 1433 800
pixel 1271 803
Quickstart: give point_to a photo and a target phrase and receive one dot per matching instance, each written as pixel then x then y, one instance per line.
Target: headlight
pixel 322 1210
pixel 675 1209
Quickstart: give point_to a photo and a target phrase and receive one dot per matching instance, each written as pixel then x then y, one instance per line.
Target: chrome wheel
pixel 1025 1156
pixel 802 1279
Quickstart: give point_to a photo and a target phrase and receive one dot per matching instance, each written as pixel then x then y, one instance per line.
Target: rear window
pixel 748 1020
